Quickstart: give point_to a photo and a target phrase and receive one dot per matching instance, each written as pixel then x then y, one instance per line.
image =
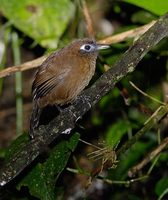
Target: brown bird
pixel 62 76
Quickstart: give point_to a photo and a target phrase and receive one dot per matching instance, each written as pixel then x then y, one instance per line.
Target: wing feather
pixel 46 83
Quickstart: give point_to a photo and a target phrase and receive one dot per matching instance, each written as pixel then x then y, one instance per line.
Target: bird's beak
pixel 102 46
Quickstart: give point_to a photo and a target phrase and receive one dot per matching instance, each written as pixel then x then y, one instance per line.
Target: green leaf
pixel 44 21
pixel 117 130
pixel 161 185
pixel 142 17
pixel 158 7
pixel 17 144
pixel 42 178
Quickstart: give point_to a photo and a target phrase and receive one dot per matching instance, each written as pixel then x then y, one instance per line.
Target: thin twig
pixel 163 194
pixel 25 66
pixel 133 33
pixel 88 20
pixel 148 158
pixel 147 95
pixel 106 180
pixel 153 164
pixel 92 145
pixel 127 182
pixel 156 117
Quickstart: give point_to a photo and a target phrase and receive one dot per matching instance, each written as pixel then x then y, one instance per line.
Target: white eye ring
pixel 87 47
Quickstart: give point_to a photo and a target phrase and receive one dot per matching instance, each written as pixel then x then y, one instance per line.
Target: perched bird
pixel 62 76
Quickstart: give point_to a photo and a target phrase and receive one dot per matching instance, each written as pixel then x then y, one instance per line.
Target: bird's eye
pixel 87 48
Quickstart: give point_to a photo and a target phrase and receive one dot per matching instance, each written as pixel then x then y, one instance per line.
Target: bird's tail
pixel 34 119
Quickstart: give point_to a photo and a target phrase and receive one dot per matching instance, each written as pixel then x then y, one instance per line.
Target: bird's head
pixel 86 47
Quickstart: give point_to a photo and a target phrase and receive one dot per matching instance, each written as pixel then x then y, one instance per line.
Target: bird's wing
pixel 49 76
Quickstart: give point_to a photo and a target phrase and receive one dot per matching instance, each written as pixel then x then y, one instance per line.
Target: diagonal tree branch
pixel 65 122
